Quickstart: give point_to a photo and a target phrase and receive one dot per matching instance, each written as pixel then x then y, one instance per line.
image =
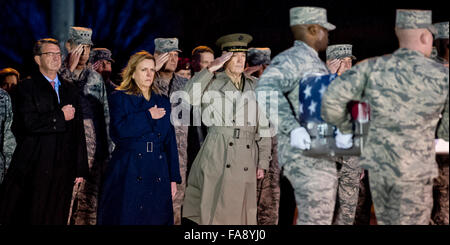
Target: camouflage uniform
pixel 167 87
pixel 433 53
pixel 314 180
pixel 442 33
pixel 268 188
pixel 349 173
pixel 440 60
pixel 349 170
pixel 7 140
pixel 406 92
pixel 440 213
pixel 94 105
pixel 258 56
pixel 103 54
pixel 95 110
pixel 363 209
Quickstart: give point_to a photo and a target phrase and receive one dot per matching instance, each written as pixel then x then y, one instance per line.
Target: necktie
pixel 53 84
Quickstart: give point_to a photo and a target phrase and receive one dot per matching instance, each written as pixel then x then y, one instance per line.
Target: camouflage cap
pixel 414 19
pixel 80 35
pixel 236 42
pixel 340 51
pixel 164 45
pixel 258 56
pixel 310 15
pixel 100 54
pixel 442 30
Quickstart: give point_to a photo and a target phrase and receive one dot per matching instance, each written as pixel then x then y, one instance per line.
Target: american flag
pixel 311 91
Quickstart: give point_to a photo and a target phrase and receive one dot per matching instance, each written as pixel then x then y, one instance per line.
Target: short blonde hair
pixel 128 84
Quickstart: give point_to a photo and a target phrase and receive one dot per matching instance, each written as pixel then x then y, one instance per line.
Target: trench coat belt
pixel 141 146
pixel 237 133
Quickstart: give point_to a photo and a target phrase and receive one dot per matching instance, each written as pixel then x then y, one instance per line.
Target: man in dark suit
pixel 51 150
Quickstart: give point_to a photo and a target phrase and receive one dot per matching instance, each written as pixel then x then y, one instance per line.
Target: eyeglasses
pixel 52 54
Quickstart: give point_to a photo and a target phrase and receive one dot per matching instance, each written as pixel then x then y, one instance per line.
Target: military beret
pixel 183 64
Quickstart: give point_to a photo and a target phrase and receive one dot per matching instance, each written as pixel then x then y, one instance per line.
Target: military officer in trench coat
pixel 221 187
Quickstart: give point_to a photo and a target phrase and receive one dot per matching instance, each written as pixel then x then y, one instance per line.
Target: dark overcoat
pixel 137 187
pixel 50 154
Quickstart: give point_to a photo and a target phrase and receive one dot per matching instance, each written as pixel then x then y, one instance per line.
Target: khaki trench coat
pixel 221 187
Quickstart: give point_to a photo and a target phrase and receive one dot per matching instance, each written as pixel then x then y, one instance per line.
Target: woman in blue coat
pixel 144 169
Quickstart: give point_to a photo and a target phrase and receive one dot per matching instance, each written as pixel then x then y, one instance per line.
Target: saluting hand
pixel 69 112
pixel 218 63
pixel 78 180
pixel 251 69
pixel 74 57
pixel 160 60
pixel 156 112
pixel 333 65
pixel 97 65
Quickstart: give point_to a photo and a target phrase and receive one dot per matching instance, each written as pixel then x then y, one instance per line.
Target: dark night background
pixel 126 27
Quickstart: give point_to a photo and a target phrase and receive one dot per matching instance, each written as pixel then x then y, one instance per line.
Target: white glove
pixel 441 146
pixel 343 141
pixel 300 138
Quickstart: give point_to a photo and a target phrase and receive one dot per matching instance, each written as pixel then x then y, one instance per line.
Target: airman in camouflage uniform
pixel 95 110
pixel 169 82
pixel 406 92
pixel 7 140
pixel 440 211
pixel 314 180
pixel 101 62
pixel 441 40
pixel 268 188
pixel 349 171
pixel 258 59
